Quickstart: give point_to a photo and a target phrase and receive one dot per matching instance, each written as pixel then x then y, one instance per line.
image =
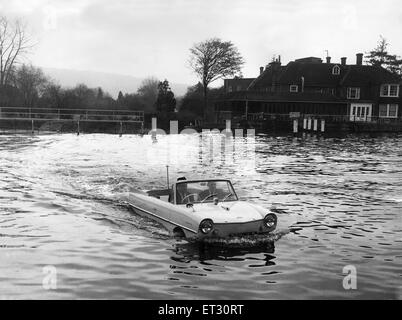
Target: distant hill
pixel 109 82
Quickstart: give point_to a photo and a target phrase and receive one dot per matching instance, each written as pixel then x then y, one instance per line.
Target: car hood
pixel 228 212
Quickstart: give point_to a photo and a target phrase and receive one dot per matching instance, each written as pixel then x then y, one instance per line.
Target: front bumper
pixel 224 230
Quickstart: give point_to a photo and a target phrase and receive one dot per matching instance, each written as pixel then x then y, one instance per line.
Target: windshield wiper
pixel 229 195
pixel 207 197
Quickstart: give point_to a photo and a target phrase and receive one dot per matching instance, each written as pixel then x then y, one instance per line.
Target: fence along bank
pixel 71 120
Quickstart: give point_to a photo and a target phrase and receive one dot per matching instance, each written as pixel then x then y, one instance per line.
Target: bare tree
pixel 214 59
pixel 31 82
pixel 52 95
pixel 14 43
pixel 148 92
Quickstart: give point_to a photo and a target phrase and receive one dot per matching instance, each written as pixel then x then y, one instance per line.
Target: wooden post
pixel 315 124
pixel 246 109
pixel 78 127
pixel 228 124
pixel 322 125
pixel 154 130
pixel 121 129
pixel 295 125
pixel 228 130
pixel 173 127
pixel 32 127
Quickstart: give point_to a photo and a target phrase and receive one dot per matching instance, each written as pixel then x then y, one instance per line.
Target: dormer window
pixel 353 93
pixel 336 70
pixel 390 90
pixel 294 88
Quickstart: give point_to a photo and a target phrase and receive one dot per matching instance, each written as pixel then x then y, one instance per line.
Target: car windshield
pixel 204 191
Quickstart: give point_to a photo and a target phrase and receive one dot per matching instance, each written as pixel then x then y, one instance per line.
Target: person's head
pixel 212 186
pixel 182 187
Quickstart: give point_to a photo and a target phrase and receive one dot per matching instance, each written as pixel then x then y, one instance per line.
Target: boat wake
pixel 245 240
pixel 115 210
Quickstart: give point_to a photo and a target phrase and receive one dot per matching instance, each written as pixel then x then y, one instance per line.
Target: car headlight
pixel 270 220
pixel 206 226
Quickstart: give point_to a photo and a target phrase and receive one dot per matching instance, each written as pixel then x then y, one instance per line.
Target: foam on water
pixel 245 241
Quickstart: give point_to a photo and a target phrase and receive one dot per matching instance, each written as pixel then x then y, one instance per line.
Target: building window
pixel 238 88
pixel 388 111
pixel 294 88
pixel 230 89
pixel 393 111
pixel 353 93
pixel 336 70
pixel 390 90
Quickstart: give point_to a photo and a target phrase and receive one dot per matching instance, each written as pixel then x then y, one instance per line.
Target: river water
pixel 66 234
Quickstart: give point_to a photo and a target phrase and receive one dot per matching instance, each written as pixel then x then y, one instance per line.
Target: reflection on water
pixel 203 252
pixel 338 202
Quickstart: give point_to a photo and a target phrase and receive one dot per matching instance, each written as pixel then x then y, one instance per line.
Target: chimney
pixel 274 64
pixel 261 70
pixel 328 59
pixel 343 61
pixel 359 59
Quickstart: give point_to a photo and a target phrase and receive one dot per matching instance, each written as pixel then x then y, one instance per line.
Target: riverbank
pixel 278 126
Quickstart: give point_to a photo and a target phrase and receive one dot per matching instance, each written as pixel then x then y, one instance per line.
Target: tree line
pixel 30 87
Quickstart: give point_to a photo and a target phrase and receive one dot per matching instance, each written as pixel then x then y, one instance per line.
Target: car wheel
pixel 178 233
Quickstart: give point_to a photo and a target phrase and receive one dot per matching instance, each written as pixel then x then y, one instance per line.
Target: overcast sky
pixel 152 37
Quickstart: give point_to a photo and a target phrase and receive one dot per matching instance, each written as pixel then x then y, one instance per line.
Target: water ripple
pixel 338 203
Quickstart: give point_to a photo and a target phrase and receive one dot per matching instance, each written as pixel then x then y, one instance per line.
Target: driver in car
pixel 183 195
pixel 211 193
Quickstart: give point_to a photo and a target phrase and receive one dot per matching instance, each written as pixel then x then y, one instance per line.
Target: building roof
pixel 314 74
pixel 246 81
pixel 320 74
pixel 367 75
pixel 310 59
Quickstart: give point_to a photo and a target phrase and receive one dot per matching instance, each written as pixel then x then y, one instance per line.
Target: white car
pixel 199 209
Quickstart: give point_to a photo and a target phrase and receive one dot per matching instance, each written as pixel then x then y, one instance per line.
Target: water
pixel 338 201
